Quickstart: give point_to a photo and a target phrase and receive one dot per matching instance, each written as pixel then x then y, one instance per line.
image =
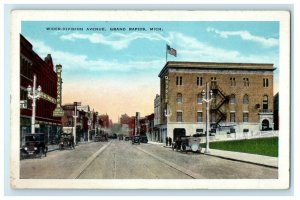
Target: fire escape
pixel 219 107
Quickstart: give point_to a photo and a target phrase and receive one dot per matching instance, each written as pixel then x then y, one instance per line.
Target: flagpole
pixel 166 54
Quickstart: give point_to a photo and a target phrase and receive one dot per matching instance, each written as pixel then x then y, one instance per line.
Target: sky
pixel 113 66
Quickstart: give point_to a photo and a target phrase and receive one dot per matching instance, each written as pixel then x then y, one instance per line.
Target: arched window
pixel 179 98
pixel 265 103
pixel 232 99
pixel 199 98
pixel 246 99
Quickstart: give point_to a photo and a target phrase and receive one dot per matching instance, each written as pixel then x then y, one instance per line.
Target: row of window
pixel 179 117
pixel 232 100
pixel 246 82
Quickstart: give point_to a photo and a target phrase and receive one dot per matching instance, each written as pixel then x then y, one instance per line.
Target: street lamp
pixel 207 97
pixel 75 121
pixel 33 94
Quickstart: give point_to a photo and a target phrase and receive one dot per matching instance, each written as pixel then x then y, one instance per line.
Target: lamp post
pixel 33 94
pixel 75 122
pixel 89 129
pixel 207 97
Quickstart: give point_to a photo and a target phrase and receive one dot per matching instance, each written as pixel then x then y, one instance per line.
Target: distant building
pixel 105 123
pixel 150 127
pixel 68 122
pixel 157 122
pixel 30 64
pixel 243 97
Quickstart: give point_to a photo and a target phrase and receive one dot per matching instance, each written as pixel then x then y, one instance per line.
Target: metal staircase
pixel 217 109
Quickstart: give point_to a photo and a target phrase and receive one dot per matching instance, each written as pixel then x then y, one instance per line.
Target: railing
pixel 241 136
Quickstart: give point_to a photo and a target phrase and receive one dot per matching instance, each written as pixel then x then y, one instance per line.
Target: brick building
pixel 156 136
pixel 30 64
pixel 243 97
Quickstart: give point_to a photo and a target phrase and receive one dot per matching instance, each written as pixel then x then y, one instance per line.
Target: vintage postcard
pixel 150 99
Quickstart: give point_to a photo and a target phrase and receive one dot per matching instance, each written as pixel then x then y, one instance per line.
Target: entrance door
pixel 265 125
pixel 178 132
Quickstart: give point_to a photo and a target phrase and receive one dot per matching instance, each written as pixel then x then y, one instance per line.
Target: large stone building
pixel 157 122
pixel 31 63
pixel 243 97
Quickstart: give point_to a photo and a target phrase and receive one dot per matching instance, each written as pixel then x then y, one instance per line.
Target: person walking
pixel 170 141
pixel 167 140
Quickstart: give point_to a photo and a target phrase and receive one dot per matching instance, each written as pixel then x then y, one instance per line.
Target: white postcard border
pixel 283 17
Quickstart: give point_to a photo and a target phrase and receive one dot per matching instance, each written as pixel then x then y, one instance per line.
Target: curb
pixel 237 160
pixel 243 161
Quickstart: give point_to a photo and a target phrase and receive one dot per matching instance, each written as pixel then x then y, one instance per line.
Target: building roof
pixel 217 66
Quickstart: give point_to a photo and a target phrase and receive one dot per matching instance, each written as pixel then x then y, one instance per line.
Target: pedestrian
pixel 170 141
pixel 167 140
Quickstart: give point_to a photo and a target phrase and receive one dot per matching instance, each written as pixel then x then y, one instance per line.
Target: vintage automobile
pixel 101 138
pixel 36 145
pixel 66 141
pixel 121 137
pixel 136 139
pixel 187 143
pixel 127 138
pixel 144 139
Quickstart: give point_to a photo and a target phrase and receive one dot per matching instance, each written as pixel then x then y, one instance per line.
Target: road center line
pixel 79 171
pixel 173 165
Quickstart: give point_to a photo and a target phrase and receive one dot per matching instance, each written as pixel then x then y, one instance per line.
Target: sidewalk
pixel 244 157
pixel 54 147
pixel 237 156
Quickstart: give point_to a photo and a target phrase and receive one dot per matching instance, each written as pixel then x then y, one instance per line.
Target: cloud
pixel 245 35
pixel 188 49
pixel 117 41
pixel 191 49
pixel 78 62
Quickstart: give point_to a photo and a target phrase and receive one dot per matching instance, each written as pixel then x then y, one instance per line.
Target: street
pixel 122 160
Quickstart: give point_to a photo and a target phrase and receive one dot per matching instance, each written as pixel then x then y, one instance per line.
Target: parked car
pixel 187 143
pixel 35 145
pixel 136 139
pixel 66 141
pixel 127 138
pixel 121 137
pixel 144 139
pixel 113 136
pixel 101 138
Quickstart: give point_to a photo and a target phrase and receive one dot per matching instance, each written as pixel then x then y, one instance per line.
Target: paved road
pixel 122 160
pixel 58 164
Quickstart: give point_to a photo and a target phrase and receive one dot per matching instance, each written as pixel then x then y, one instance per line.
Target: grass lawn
pixel 261 146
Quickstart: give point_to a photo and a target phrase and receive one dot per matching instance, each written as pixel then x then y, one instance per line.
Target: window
pixel 213 81
pixel 246 82
pixel 199 98
pixel 246 99
pixel 232 117
pixel 232 99
pixel 265 104
pixel 179 117
pixel 199 81
pixel 232 81
pixel 245 117
pixel 179 98
pixel 178 80
pixel 199 117
pixel 265 82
